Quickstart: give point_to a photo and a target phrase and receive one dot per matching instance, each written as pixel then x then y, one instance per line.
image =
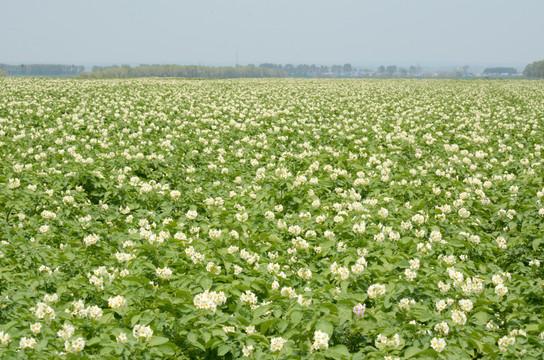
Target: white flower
pixel 406 303
pixel 122 338
pixel 117 302
pixel 466 305
pixel 375 290
pixel 191 214
pixel 276 344
pixel 241 217
pixel 209 300
pixel 36 328
pixel 74 346
pixel 534 262
pixel 164 273
pixel 442 327
pixel 440 305
pixel 247 350
pixel 5 338
pixel 250 330
pixel 94 312
pixel 27 343
pixel 464 213
pixel 501 290
pixel 458 317
pixel 438 344
pixel 249 298
pixel 141 331
pixel 13 184
pixel 321 341
pixel 91 239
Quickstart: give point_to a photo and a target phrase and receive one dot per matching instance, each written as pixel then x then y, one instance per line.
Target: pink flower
pixel 359 310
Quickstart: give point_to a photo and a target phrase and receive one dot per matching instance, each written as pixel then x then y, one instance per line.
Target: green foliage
pixel 500 70
pixel 185 71
pixel 186 219
pixel 46 70
pixel 535 69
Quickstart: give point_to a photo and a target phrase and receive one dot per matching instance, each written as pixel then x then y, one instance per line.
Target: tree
pixel 289 69
pixel 535 69
pixel 391 69
pixel 347 68
pixel 337 69
pixel 190 71
pixel 381 69
pixel 42 70
pixel 2 73
pixel 500 70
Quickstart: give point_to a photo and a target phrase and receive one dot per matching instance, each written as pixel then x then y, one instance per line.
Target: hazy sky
pixel 209 32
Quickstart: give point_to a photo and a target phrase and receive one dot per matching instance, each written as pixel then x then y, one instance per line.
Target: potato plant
pixel 271 219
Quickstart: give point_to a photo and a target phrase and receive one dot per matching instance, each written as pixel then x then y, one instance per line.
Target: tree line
pixel 306 70
pixel 535 69
pixel 500 70
pixel 185 71
pixel 47 70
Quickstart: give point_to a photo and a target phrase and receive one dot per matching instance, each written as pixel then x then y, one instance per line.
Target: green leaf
pixel 411 351
pixel 135 319
pixel 338 351
pixel 106 318
pixel 329 308
pixel 344 312
pixel 158 340
pixel 475 343
pixel 260 310
pixel 489 349
pixel 6 327
pixel 481 317
pixel 106 350
pixel 324 326
pixel 168 349
pixel 282 326
pixel 223 349
pixel 296 316
pixel 94 340
pixel 193 339
pixel 358 356
pixel 206 283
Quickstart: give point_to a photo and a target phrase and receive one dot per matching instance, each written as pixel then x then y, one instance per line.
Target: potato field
pixel 271 219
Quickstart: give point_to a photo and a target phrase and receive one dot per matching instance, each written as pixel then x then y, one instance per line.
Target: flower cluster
pixel 276 343
pixel 141 332
pixel 74 346
pixel 117 302
pixel 321 341
pixel 375 290
pixel 209 300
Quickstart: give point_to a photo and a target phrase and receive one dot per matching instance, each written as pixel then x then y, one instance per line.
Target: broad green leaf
pixel 223 350
pixel 157 340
